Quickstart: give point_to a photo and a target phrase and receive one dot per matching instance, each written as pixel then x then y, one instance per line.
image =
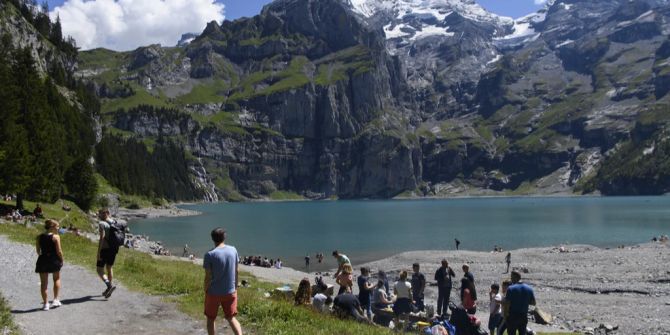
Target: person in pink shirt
pixel 467 297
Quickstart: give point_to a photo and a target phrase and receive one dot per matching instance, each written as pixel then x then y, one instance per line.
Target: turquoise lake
pixel 369 230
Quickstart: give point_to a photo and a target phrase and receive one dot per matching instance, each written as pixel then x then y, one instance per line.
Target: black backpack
pixel 117 235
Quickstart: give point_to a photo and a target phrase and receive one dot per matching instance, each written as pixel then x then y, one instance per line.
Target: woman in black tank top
pixel 49 260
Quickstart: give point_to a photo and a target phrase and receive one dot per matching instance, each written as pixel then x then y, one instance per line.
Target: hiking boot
pixel 56 303
pixel 109 292
pixel 46 307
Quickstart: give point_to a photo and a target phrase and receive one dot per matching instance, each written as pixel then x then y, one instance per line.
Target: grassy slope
pixel 75 217
pixel 7 325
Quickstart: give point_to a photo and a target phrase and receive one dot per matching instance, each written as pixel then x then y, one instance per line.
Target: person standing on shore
pixel 508 260
pixel 307 262
pixel 365 291
pixel 458 243
pixel 519 296
pixel 505 308
pixel 49 260
pixel 403 303
pixel 221 282
pixel 418 286
pixel 443 277
pixel 495 308
pixel 468 297
pixel 111 238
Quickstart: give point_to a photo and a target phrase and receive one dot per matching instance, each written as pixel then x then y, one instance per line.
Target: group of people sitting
pixel 379 303
pixel 662 238
pixel 16 215
pixel 262 262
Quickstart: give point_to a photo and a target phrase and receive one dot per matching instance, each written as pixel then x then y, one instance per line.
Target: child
pixel 345 279
pixel 495 308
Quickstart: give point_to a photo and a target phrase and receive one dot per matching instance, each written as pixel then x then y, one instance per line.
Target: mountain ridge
pixel 315 98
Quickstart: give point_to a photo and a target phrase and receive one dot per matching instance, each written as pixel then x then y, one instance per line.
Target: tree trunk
pixel 19 201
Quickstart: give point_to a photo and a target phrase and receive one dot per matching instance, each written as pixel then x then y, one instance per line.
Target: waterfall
pixel 205 183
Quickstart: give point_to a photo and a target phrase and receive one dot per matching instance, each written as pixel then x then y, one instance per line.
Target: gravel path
pixel 84 310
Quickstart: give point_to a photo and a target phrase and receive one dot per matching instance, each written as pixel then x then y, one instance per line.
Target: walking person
pixel 508 260
pixel 221 282
pixel 49 260
pixel 418 287
pixel 365 291
pixel 458 243
pixel 111 238
pixel 519 296
pixel 443 277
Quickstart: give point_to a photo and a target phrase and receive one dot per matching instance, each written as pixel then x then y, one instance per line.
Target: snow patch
pixel 564 43
pixel 431 31
pixel 494 60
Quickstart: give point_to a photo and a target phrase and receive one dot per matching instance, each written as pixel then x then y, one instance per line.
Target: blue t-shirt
pixel 222 263
pixel 363 292
pixel 519 296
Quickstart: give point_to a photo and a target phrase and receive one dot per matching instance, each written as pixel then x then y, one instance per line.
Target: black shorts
pixel 107 257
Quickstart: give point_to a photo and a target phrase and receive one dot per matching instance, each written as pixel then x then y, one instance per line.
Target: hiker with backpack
pixel 112 237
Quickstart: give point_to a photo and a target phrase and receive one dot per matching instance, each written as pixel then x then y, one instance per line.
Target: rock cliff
pixel 368 98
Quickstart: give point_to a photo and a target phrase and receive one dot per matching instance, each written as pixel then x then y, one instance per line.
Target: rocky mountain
pixel 370 98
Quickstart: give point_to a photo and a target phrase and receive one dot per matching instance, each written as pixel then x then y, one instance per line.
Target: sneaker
pixel 104 293
pixel 46 307
pixel 109 292
pixel 56 303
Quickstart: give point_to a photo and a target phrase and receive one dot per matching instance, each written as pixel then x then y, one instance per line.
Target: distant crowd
pixel 262 262
pixel 402 305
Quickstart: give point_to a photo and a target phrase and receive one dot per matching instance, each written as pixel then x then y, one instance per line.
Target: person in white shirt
pixel 403 292
pixel 495 308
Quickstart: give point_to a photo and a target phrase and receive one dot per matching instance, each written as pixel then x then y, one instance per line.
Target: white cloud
pixel 540 2
pixel 128 24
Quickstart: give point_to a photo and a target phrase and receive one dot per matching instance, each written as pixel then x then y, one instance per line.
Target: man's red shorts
pixel 228 302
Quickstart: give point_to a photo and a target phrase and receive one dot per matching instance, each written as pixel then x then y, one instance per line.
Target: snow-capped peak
pixel 416 19
pixel 438 8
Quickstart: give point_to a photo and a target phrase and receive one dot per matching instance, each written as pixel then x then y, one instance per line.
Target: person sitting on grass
pixel 347 305
pixel 38 211
pixel 380 300
pixel 49 260
pixel 304 293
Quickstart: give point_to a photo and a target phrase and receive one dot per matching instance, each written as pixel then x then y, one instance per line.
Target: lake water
pixel 369 230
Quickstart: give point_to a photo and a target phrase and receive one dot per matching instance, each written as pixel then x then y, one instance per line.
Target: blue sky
pixel 127 24
pixel 238 8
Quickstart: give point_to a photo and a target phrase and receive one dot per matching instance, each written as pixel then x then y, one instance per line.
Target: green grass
pixel 7 326
pixel 125 200
pixel 285 195
pixel 213 92
pixel 76 216
pixel 141 97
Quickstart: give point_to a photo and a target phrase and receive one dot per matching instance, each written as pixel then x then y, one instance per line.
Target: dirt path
pixel 84 310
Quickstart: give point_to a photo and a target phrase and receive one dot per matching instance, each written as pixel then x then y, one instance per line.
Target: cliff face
pixel 371 98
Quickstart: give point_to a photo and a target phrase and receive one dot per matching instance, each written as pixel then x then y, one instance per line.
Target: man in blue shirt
pixel 221 278
pixel 519 296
